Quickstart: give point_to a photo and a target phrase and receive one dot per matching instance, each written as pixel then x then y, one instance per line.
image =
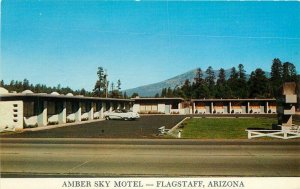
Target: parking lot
pixel 145 127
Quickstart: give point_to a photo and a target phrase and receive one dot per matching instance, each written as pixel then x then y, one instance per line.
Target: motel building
pixel 28 109
pixel 160 106
pixel 234 106
pixel 203 106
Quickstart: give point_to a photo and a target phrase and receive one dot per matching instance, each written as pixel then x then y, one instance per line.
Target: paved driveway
pixel 145 127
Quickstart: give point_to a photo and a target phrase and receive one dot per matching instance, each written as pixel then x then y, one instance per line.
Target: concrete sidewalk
pixel 126 141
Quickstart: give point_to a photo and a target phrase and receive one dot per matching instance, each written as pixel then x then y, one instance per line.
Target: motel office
pixel 27 109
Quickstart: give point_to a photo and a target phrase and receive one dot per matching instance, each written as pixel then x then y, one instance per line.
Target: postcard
pixel 149 94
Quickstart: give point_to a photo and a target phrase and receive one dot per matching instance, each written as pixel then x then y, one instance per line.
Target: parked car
pixel 121 114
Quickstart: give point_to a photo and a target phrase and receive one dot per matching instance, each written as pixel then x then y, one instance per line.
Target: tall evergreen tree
pixel 242 72
pixel 198 77
pixel 199 87
pixel 169 92
pixel 222 89
pixel 134 95
pixel 258 84
pixel 164 92
pixel 186 89
pixel 242 90
pixel 101 85
pixel 210 80
pixel 221 76
pixel 289 72
pixel 125 95
pixel 25 84
pixel 119 88
pixel 233 83
pixel 276 80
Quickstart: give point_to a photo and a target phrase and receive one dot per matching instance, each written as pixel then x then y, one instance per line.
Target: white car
pixel 121 114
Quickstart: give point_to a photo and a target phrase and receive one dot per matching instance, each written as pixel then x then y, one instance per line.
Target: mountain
pixel 151 89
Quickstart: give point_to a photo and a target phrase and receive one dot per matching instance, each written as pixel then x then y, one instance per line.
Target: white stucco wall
pixel 161 108
pixel 11 115
pixel 136 108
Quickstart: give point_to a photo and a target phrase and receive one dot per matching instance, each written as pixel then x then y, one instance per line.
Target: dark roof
pixel 233 99
pixel 175 98
pixel 42 95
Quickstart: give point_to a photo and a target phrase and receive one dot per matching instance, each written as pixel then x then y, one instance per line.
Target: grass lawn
pixel 223 128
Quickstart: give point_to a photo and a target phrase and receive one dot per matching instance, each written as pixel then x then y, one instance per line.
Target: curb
pixel 126 141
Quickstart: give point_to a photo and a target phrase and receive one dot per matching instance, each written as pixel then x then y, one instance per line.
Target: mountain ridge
pixel 151 89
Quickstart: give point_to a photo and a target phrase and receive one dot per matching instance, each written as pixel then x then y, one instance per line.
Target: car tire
pixel 107 118
pixel 125 119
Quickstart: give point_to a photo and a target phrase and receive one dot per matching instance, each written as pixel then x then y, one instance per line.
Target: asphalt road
pixel 89 158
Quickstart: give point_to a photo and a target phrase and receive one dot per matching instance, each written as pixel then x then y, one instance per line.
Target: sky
pixel 141 42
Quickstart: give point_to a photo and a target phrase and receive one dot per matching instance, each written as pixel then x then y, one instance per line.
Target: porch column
pixel 102 110
pixel 78 112
pixel 62 116
pixel 90 111
pixel 42 114
pixel 212 107
pixel 111 107
pixel 230 107
pixel 194 108
pixel 267 107
pixel 248 106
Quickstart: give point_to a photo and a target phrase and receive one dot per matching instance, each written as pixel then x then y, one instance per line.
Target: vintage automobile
pixel 122 115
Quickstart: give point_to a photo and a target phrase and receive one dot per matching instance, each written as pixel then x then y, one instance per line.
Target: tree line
pixel 237 85
pixel 20 86
pixel 101 88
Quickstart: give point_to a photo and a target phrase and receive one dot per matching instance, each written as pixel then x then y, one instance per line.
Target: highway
pixel 106 158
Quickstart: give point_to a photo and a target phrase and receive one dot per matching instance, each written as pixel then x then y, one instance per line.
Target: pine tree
pixel 242 72
pixel 119 88
pixel 164 92
pixel 221 84
pixel 186 89
pixel 25 84
pixel 210 80
pixel 100 88
pixel 289 72
pixel 134 95
pixel 242 90
pixel 125 95
pixel 276 79
pixel 199 87
pixel 198 77
pixel 221 77
pixel 258 84
pixel 169 92
pixel 83 92
pixel 233 83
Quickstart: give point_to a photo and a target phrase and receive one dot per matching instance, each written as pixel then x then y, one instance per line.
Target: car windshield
pixel 121 111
